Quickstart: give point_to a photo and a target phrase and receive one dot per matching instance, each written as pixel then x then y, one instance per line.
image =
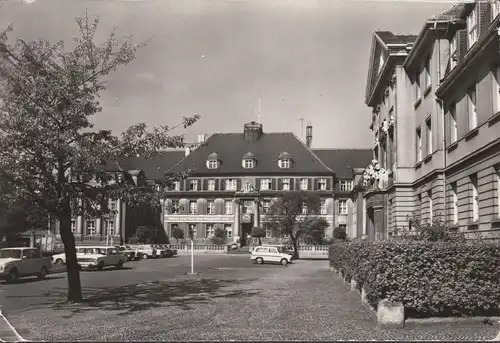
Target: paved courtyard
pixel 230 299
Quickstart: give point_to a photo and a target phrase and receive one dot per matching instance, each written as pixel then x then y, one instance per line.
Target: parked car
pixel 161 251
pixel 146 251
pixel 169 252
pixel 60 259
pixel 126 250
pixel 270 254
pixel 100 257
pixel 21 262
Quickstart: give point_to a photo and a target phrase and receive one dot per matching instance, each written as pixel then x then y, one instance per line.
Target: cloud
pixel 146 77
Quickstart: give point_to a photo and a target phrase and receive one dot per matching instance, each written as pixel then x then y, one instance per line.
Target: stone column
pixel 79 225
pixel 256 211
pixel 123 223
pixel 236 228
pixel 117 217
pixel 98 226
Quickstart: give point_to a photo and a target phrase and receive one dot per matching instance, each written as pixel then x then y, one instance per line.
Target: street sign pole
pixel 192 257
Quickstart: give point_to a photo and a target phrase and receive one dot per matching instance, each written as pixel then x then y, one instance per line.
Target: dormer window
pixel 472 27
pixel 285 160
pixel 248 161
pixel 213 161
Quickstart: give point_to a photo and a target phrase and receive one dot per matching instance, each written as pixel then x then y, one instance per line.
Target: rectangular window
pixel 285 184
pixel 228 229
pixel 472 28
pixel 90 227
pixel 496 90
pixel 471 102
pixel 193 207
pixel 475 198
pixel 346 185
pixel 212 164
pixel 109 227
pixel 247 206
pixel 322 184
pixel 427 72
pixel 211 185
pixel 453 123
pixel 418 94
pixel 265 184
pixel 428 124
pixel 419 145
pixel 210 230
pixel 454 203
pixel 228 207
pixel 175 207
pixel 497 176
pixel 284 163
pixel 431 212
pixel 304 208
pixel 193 185
pixel 343 206
pixel 495 9
pixel 323 207
pixel 454 51
pixel 192 231
pixel 230 185
pixel 73 225
pixel 248 164
pixel 269 232
pixel 304 183
pixel 266 204
pixel 210 207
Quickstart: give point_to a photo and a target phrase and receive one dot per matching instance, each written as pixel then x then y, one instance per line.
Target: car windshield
pixel 10 253
pixel 122 248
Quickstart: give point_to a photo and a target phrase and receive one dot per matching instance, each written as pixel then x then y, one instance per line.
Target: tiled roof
pixel 154 167
pixel 390 38
pixel 455 12
pixel 231 147
pixel 341 160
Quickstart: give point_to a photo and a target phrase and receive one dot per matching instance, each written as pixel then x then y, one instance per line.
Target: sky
pixel 303 58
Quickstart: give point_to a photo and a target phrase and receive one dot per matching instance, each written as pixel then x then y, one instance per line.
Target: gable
pixel 378 57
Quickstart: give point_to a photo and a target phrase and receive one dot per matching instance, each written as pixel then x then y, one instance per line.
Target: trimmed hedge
pixel 431 279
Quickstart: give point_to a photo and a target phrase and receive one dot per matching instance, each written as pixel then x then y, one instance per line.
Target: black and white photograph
pixel 249 170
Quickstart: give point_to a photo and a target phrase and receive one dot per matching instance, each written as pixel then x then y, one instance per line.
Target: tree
pixel 177 233
pixel 49 151
pixel 340 233
pixel 315 232
pixel 258 232
pixel 219 237
pixel 289 213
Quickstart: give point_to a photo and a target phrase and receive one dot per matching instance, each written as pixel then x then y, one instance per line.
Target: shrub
pixel 431 279
pixel 219 237
pixel 340 233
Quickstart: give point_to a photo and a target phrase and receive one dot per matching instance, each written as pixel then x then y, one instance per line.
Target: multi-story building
pixel 435 100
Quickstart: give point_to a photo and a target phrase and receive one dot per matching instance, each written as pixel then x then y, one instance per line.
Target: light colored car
pixel 22 262
pixel 100 257
pixel 60 259
pixel 160 250
pixel 146 251
pixel 266 254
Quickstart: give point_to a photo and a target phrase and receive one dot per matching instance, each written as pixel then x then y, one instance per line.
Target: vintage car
pixel 21 262
pixel 146 251
pixel 100 257
pixel 270 254
pixel 127 250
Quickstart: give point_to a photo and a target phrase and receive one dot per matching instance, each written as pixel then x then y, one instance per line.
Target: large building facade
pixel 436 101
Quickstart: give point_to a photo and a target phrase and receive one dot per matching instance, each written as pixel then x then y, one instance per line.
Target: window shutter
pixel 462 43
pixel 273 184
pixel 222 184
pixel 217 184
pixel 219 206
pixel 310 184
pixel 447 132
pixel 201 204
pixel 329 183
pixel 485 97
pixel 462 115
pixel 484 16
pixel 238 185
pixel 257 183
pixel 204 184
pixel 316 183
pixel 182 185
pixel 183 206
pixel 292 183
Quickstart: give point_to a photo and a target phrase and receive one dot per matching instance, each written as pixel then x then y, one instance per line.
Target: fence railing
pixel 200 247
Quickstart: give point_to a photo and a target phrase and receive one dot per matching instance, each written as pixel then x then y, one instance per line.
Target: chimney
pixel 252 131
pixel 309 135
pixel 187 150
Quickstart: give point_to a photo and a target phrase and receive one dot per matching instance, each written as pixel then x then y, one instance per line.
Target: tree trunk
pixel 74 285
pixel 295 246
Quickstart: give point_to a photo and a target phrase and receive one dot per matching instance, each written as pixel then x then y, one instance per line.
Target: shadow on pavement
pixel 32 279
pixel 145 296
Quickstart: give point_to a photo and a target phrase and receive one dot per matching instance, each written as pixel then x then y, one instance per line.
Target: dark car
pixel 169 251
pixel 127 251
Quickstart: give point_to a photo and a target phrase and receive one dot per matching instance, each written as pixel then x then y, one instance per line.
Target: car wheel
pixel 284 261
pixel 13 276
pixel 259 260
pixel 42 274
pixel 145 256
pixel 59 262
pixel 119 265
pixel 100 267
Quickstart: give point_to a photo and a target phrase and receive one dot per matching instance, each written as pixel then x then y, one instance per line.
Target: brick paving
pixel 303 301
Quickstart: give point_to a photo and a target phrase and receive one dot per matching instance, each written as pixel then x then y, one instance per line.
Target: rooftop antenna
pixel 301 127
pixel 258 112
